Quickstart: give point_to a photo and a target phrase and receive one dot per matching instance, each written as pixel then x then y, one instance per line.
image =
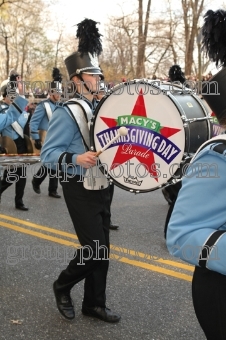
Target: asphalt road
pixel 149 288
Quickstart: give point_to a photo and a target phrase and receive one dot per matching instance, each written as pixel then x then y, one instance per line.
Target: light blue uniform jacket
pixel 12 113
pixel 62 136
pixel 39 119
pixel 200 210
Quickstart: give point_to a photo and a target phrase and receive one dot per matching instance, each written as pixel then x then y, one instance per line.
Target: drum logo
pixel 146 138
pixel 132 180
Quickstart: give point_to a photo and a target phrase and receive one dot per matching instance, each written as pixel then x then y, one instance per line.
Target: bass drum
pixel 165 123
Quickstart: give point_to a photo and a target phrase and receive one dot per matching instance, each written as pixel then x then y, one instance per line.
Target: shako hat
pixel 55 85
pixel 85 60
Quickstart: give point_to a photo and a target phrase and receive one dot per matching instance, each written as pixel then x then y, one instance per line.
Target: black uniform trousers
pixel 209 300
pixel 90 214
pixel 41 175
pixel 16 174
pixel 19 178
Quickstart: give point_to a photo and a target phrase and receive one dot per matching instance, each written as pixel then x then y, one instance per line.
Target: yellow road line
pixel 37 226
pixel 40 235
pixel 125 251
pixel 122 259
pixel 122 251
pixel 156 269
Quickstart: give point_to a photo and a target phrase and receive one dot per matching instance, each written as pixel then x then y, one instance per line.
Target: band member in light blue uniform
pixel 67 147
pixel 15 132
pixel 197 227
pixel 12 109
pixel 40 121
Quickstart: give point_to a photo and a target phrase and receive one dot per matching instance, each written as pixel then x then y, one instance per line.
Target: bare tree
pixel 192 10
pixel 23 37
pixel 13 2
pixel 119 55
pixel 142 37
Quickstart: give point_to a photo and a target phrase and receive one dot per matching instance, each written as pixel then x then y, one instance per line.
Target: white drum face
pixel 152 151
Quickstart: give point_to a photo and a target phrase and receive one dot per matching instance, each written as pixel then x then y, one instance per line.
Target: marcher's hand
pixel 38 144
pixel 87 159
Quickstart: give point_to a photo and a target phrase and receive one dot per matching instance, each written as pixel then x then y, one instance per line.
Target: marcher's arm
pixel 11 114
pixel 199 212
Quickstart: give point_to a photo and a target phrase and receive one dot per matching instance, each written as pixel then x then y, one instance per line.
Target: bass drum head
pixel 152 151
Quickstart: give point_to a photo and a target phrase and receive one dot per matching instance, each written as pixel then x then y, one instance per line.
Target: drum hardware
pixel 18 160
pixel 92 182
pixel 192 120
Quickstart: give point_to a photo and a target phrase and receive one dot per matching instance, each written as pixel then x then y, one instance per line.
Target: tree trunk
pixel 142 38
pixel 7 56
pixel 191 13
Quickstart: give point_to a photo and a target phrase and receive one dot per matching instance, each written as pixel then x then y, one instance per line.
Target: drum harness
pixel 82 119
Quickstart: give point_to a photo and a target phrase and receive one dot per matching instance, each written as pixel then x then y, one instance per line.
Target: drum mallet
pixel 122 131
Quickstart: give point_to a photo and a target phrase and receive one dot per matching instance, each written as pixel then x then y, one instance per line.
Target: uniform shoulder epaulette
pixel 220 148
pixel 3 107
pixel 59 104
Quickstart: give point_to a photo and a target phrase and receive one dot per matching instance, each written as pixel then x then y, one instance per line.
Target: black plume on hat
pixel 89 37
pixel 176 74
pixel 214 36
pixel 57 76
pixel 85 60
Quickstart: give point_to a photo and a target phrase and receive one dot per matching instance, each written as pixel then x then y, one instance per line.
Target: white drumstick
pixel 122 131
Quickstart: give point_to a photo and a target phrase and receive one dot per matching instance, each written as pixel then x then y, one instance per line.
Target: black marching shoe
pixel 21 207
pixel 54 194
pixel 104 314
pixel 36 187
pixel 113 226
pixel 64 303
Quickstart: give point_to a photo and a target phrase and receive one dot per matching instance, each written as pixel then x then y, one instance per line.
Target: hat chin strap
pixel 86 87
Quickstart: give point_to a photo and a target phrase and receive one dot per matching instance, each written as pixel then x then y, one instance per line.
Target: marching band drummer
pixel 66 146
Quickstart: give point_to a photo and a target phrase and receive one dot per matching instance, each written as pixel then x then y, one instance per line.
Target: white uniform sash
pixel 94 179
pixel 48 110
pixel 16 126
pixel 82 117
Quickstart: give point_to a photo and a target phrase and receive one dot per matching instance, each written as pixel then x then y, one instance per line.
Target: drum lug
pixel 185 124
